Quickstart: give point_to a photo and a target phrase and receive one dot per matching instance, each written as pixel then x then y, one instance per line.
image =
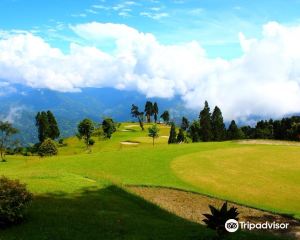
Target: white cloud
pixel 264 81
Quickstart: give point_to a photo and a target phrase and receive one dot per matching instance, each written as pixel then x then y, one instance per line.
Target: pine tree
pixel 53 131
pixel 42 125
pixel 155 111
pixel 194 131
pixel 180 136
pixel 172 137
pixel 218 126
pixel 184 123
pixel 233 131
pixel 205 123
pixel 148 110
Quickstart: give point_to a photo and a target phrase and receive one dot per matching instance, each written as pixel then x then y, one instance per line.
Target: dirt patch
pixel 191 206
pixel 269 142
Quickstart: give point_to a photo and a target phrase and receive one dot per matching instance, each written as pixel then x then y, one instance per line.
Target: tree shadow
pixel 107 213
pixel 293 229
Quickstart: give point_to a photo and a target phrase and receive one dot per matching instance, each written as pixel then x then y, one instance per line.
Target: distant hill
pixel 20 107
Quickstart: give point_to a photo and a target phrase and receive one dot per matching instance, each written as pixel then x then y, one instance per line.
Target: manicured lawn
pixel 265 177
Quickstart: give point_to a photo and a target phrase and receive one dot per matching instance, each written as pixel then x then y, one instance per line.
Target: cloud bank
pixel 264 81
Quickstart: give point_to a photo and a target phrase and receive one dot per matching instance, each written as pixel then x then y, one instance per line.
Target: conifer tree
pixel 155 111
pixel 148 110
pixel 233 131
pixel 205 123
pixel 42 125
pixel 194 131
pixel 218 126
pixel 53 131
pixel 172 137
pixel 185 123
pixel 180 136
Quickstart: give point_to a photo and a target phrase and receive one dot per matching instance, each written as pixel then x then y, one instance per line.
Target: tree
pixel 155 111
pixel 153 132
pixel 148 111
pixel 185 123
pixel 42 125
pixel 180 136
pixel 218 126
pixel 205 123
pixel 53 130
pixel 165 116
pixel 233 131
pixel 6 132
pixel 85 130
pixel 108 127
pixel 172 137
pixel 139 115
pixel 48 148
pixel 194 131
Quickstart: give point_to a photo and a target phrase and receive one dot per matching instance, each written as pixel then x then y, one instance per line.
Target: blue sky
pixel 243 56
pixel 215 24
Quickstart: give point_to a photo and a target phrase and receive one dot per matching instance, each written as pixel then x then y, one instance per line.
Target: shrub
pixel 91 142
pixel 61 141
pixel 14 198
pixel 48 148
pixel 218 217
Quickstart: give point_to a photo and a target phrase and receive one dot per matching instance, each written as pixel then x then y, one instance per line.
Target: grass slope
pixel 113 163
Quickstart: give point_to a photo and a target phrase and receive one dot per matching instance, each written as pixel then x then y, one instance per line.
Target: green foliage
pixel 233 132
pixel 53 130
pixel 194 131
pixel 148 110
pixel 47 126
pixel 108 127
pixel 172 136
pixel 218 126
pixel 48 148
pixel 155 111
pixel 184 123
pixel 165 116
pixel 85 130
pixel 153 132
pixel 6 132
pixel 91 142
pixel 180 136
pixel 218 217
pixel 61 141
pixel 205 124
pixel 14 198
pixel 137 114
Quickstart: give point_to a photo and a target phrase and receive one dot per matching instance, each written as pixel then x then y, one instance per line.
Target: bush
pixel 48 148
pixel 61 141
pixel 91 142
pixel 14 198
pixel 218 217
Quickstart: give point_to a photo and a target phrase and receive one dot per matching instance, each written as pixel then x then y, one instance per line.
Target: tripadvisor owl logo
pixel 232 225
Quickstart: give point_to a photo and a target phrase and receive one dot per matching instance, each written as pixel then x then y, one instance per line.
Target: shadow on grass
pixel 107 213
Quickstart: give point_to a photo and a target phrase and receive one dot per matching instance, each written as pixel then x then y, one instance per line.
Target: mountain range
pixel 21 105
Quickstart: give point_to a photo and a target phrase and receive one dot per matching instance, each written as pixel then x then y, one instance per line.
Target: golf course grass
pixel 79 193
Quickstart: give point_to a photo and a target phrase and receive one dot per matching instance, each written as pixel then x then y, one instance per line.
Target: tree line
pixel 211 127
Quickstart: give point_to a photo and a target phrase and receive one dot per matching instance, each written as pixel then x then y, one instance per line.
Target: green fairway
pixel 265 177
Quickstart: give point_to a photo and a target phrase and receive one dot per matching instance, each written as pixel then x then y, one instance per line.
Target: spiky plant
pixel 218 217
